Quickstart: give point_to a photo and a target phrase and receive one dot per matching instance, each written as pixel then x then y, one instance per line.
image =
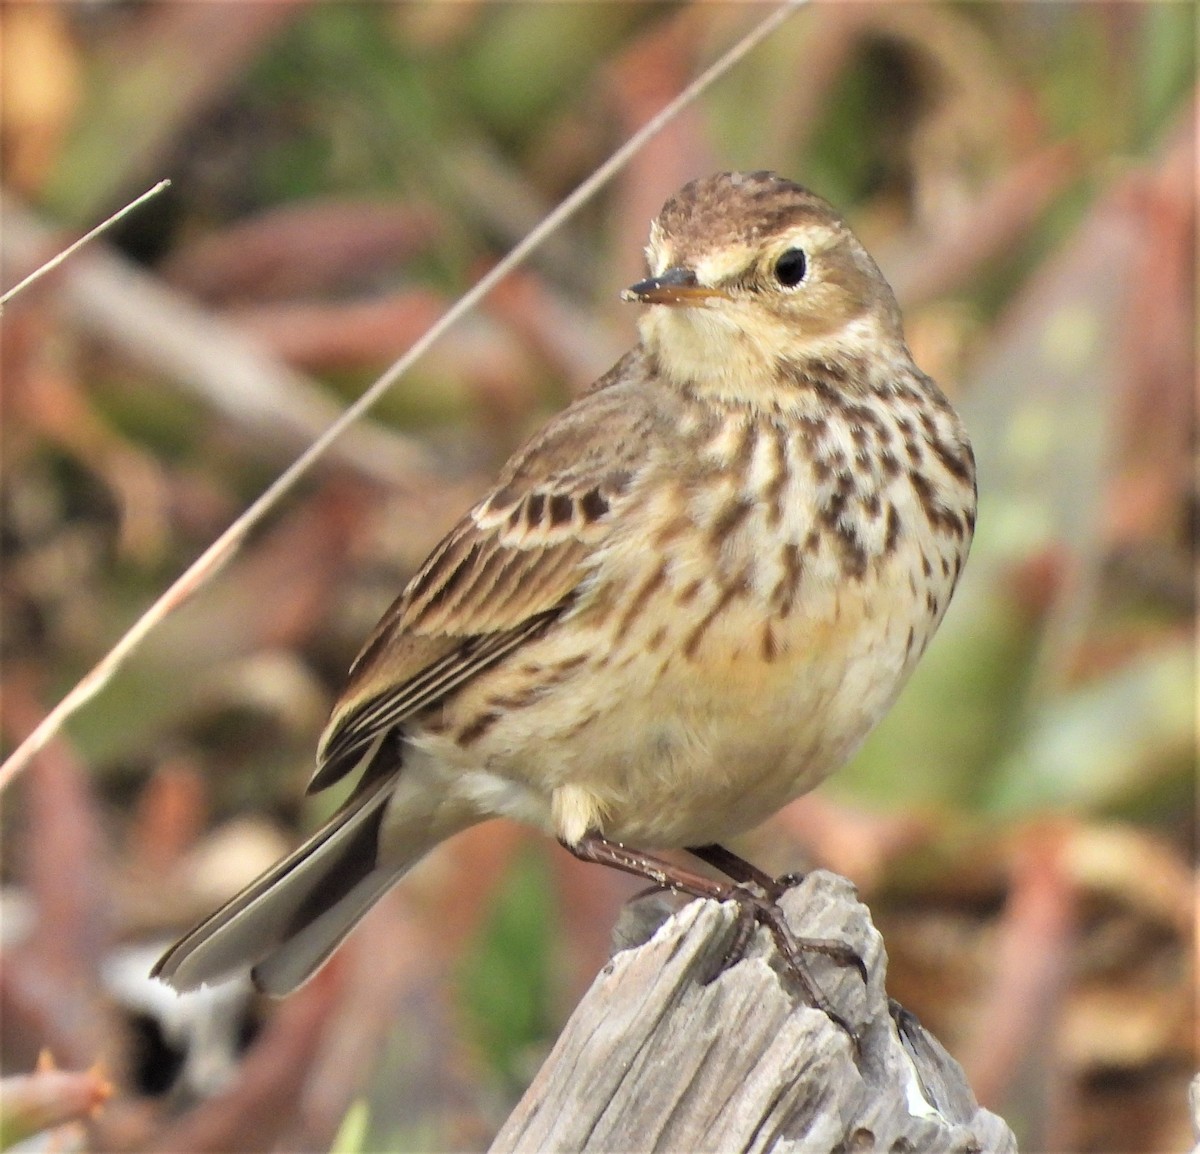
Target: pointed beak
pixel 676 286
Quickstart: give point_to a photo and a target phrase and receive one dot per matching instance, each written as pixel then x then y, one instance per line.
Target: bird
pixel 685 602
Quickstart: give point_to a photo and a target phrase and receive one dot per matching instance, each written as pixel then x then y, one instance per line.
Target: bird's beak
pixel 676 286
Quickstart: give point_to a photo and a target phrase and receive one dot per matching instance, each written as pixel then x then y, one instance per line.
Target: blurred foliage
pixel 351 1137
pixel 1025 175
pixel 506 975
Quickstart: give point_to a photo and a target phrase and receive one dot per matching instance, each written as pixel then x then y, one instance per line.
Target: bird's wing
pixel 498 578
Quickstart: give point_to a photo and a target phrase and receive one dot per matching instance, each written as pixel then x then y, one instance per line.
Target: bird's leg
pixel 596 848
pixel 738 868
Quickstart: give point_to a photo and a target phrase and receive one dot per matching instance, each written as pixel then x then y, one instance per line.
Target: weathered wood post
pixel 668 1052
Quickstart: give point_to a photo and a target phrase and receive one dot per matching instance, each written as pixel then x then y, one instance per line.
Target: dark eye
pixel 791 267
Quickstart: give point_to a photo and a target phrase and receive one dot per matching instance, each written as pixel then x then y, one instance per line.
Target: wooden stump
pixel 668 1051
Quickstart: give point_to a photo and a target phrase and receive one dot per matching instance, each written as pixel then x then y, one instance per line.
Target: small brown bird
pixel 686 601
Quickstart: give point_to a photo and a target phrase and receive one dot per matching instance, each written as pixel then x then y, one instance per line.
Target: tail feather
pixel 287 922
pixel 306 950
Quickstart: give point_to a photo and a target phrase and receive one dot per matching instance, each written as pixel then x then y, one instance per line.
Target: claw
pixel 788 881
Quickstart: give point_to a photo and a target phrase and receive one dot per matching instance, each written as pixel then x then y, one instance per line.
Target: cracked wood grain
pixel 669 1052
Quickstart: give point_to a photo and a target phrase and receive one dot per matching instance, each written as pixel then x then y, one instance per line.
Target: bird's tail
pixel 286 923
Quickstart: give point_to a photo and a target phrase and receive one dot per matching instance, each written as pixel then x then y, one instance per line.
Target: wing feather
pixel 353 733
pixel 503 574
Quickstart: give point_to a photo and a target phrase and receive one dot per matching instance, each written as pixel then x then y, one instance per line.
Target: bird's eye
pixel 791 267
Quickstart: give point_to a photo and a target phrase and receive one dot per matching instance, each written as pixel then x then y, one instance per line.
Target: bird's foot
pixel 756 895
pixel 755 909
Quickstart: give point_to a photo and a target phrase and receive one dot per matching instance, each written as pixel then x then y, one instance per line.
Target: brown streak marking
pixel 868 416
pixel 424 579
pixel 496 565
pixel 463 571
pixel 831 512
pixel 785 591
pixel 594 505
pixel 561 668
pixel 769 650
pixel 473 731
pixel 833 371
pixel 562 509
pixel 642 598
pixel 601 597
pixel 935 397
pixel 823 389
pixel 730 517
pixel 675 527
pixel 656 638
pixel 893 530
pixel 507 578
pixel 581 725
pixel 520 700
pixel 938 515
pixel 854 556
pixel 745 450
pixel 773 490
pixel 737 588
pixel 630 657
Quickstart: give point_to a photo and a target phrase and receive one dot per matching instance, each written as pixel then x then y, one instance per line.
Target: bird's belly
pixel 665 744
pixel 705 749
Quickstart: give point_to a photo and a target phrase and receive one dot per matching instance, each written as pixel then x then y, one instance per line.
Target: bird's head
pixel 749 271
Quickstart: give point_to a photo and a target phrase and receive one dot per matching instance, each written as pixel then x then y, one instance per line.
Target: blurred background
pixel 1021 826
